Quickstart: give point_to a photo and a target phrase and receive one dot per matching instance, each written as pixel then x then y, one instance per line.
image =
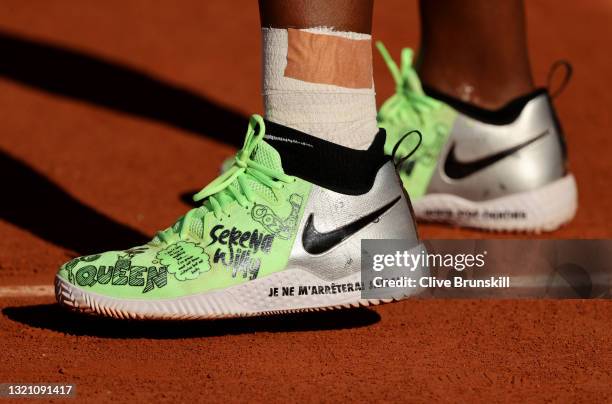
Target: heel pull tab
pixel 399 161
pixel 569 71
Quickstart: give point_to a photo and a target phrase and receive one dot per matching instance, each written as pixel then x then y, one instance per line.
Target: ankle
pixel 319 81
pixel 482 91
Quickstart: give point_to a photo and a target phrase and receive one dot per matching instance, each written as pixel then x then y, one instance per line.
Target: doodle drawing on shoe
pixel 497 170
pixel 279 231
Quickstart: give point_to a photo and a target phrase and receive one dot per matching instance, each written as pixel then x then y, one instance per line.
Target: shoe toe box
pixel 130 274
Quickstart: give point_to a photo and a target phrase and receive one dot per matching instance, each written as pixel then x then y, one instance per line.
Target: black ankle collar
pixel 502 116
pixel 331 166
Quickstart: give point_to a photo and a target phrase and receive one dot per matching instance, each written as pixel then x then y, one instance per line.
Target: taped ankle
pixel 319 81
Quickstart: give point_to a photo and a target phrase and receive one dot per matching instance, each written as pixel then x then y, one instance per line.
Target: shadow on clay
pixel 55 318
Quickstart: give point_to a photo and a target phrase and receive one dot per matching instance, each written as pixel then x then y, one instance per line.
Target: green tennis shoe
pixel 279 231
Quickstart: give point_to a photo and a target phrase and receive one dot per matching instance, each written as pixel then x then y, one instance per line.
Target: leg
pixel 341 15
pixel 475 50
pixel 317 62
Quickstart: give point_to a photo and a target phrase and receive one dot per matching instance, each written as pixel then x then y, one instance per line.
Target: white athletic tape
pixel 342 115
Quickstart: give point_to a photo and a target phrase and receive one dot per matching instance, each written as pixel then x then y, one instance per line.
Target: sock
pixel 319 81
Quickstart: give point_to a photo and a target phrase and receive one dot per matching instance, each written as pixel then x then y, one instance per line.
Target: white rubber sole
pixel 281 292
pixel 544 209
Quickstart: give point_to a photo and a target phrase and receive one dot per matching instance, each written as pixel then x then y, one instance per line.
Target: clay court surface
pixel 112 110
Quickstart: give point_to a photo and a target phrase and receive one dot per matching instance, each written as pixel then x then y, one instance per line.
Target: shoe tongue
pixel 264 154
pixel 267 156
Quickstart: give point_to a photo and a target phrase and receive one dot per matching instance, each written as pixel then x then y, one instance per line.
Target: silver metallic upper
pixel 533 166
pixel 332 210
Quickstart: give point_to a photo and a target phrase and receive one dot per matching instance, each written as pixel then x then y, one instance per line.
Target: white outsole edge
pixel 546 208
pixel 212 305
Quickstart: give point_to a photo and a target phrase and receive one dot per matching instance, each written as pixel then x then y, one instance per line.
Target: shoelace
pixel 218 195
pixel 409 105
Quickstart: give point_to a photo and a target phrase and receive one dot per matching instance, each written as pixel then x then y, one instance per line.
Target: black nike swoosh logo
pixel 317 243
pixel 456 169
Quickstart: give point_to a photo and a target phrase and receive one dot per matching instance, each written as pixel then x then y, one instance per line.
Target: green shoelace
pixel 232 185
pixel 410 107
pixel 409 104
